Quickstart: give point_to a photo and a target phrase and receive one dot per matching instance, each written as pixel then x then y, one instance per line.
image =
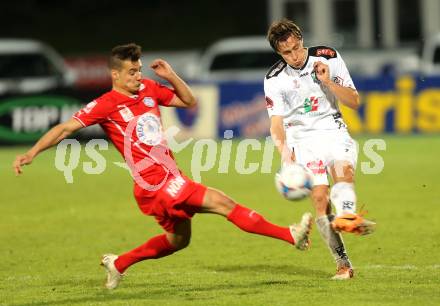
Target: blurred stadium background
pixel 53 60
pixel 391 48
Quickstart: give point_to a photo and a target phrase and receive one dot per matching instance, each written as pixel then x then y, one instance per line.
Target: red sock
pixel 252 222
pixel 156 247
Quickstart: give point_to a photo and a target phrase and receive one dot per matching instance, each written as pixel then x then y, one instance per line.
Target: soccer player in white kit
pixel 302 92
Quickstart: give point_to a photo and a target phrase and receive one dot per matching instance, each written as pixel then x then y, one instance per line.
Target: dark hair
pixel 281 30
pixel 121 53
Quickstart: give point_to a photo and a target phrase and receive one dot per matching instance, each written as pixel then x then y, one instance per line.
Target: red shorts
pixel 178 199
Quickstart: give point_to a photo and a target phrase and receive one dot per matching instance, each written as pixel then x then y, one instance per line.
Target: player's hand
pixel 322 72
pixel 162 69
pixel 21 160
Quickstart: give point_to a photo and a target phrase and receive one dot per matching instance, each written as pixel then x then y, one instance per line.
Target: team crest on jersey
pixel 148 101
pixel 311 104
pixel 149 129
pixel 126 114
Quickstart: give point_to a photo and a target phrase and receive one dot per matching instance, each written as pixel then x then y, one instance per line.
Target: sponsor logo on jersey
pixel 316 166
pixel 126 113
pixel 269 103
pixel 149 129
pixel 328 52
pixel 148 101
pixel 175 186
pixel 311 104
pixel 304 74
pixel 296 83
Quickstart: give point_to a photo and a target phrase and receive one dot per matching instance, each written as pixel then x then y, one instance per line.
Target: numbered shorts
pixel 177 200
pixel 319 151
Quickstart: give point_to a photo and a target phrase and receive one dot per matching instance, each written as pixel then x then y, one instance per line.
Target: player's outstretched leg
pixel 332 239
pixel 157 247
pixel 252 222
pixel 344 269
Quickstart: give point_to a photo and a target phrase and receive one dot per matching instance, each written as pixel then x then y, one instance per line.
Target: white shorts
pixel 319 151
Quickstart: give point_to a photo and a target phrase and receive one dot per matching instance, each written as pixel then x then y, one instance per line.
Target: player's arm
pixel 279 138
pixel 184 95
pixel 51 138
pixel 346 95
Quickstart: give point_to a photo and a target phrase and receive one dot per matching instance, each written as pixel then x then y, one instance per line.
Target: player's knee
pixel 320 198
pixel 221 203
pixel 343 171
pixel 180 242
pixel 320 201
pixel 183 243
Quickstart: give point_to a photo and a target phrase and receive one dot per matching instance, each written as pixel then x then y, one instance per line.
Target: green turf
pixel 52 235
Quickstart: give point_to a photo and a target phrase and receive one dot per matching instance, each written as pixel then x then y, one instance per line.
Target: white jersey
pixel 296 94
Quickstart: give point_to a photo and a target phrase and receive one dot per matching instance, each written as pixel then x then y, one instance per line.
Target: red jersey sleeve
pixel 95 112
pixel 164 94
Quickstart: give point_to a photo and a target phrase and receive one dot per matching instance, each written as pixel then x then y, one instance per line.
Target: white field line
pixel 401 267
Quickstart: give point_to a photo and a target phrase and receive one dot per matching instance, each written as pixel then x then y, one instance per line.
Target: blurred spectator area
pixel 91 71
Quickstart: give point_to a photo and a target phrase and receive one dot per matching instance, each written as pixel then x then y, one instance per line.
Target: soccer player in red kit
pixel 130 116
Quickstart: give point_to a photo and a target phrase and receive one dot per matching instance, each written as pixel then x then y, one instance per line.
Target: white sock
pixel 343 198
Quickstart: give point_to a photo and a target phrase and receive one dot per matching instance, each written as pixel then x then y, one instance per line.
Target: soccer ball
pixel 294 182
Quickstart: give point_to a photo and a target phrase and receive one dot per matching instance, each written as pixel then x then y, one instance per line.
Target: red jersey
pixel 134 126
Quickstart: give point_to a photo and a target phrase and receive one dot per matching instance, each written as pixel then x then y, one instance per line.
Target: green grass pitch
pixel 52 235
